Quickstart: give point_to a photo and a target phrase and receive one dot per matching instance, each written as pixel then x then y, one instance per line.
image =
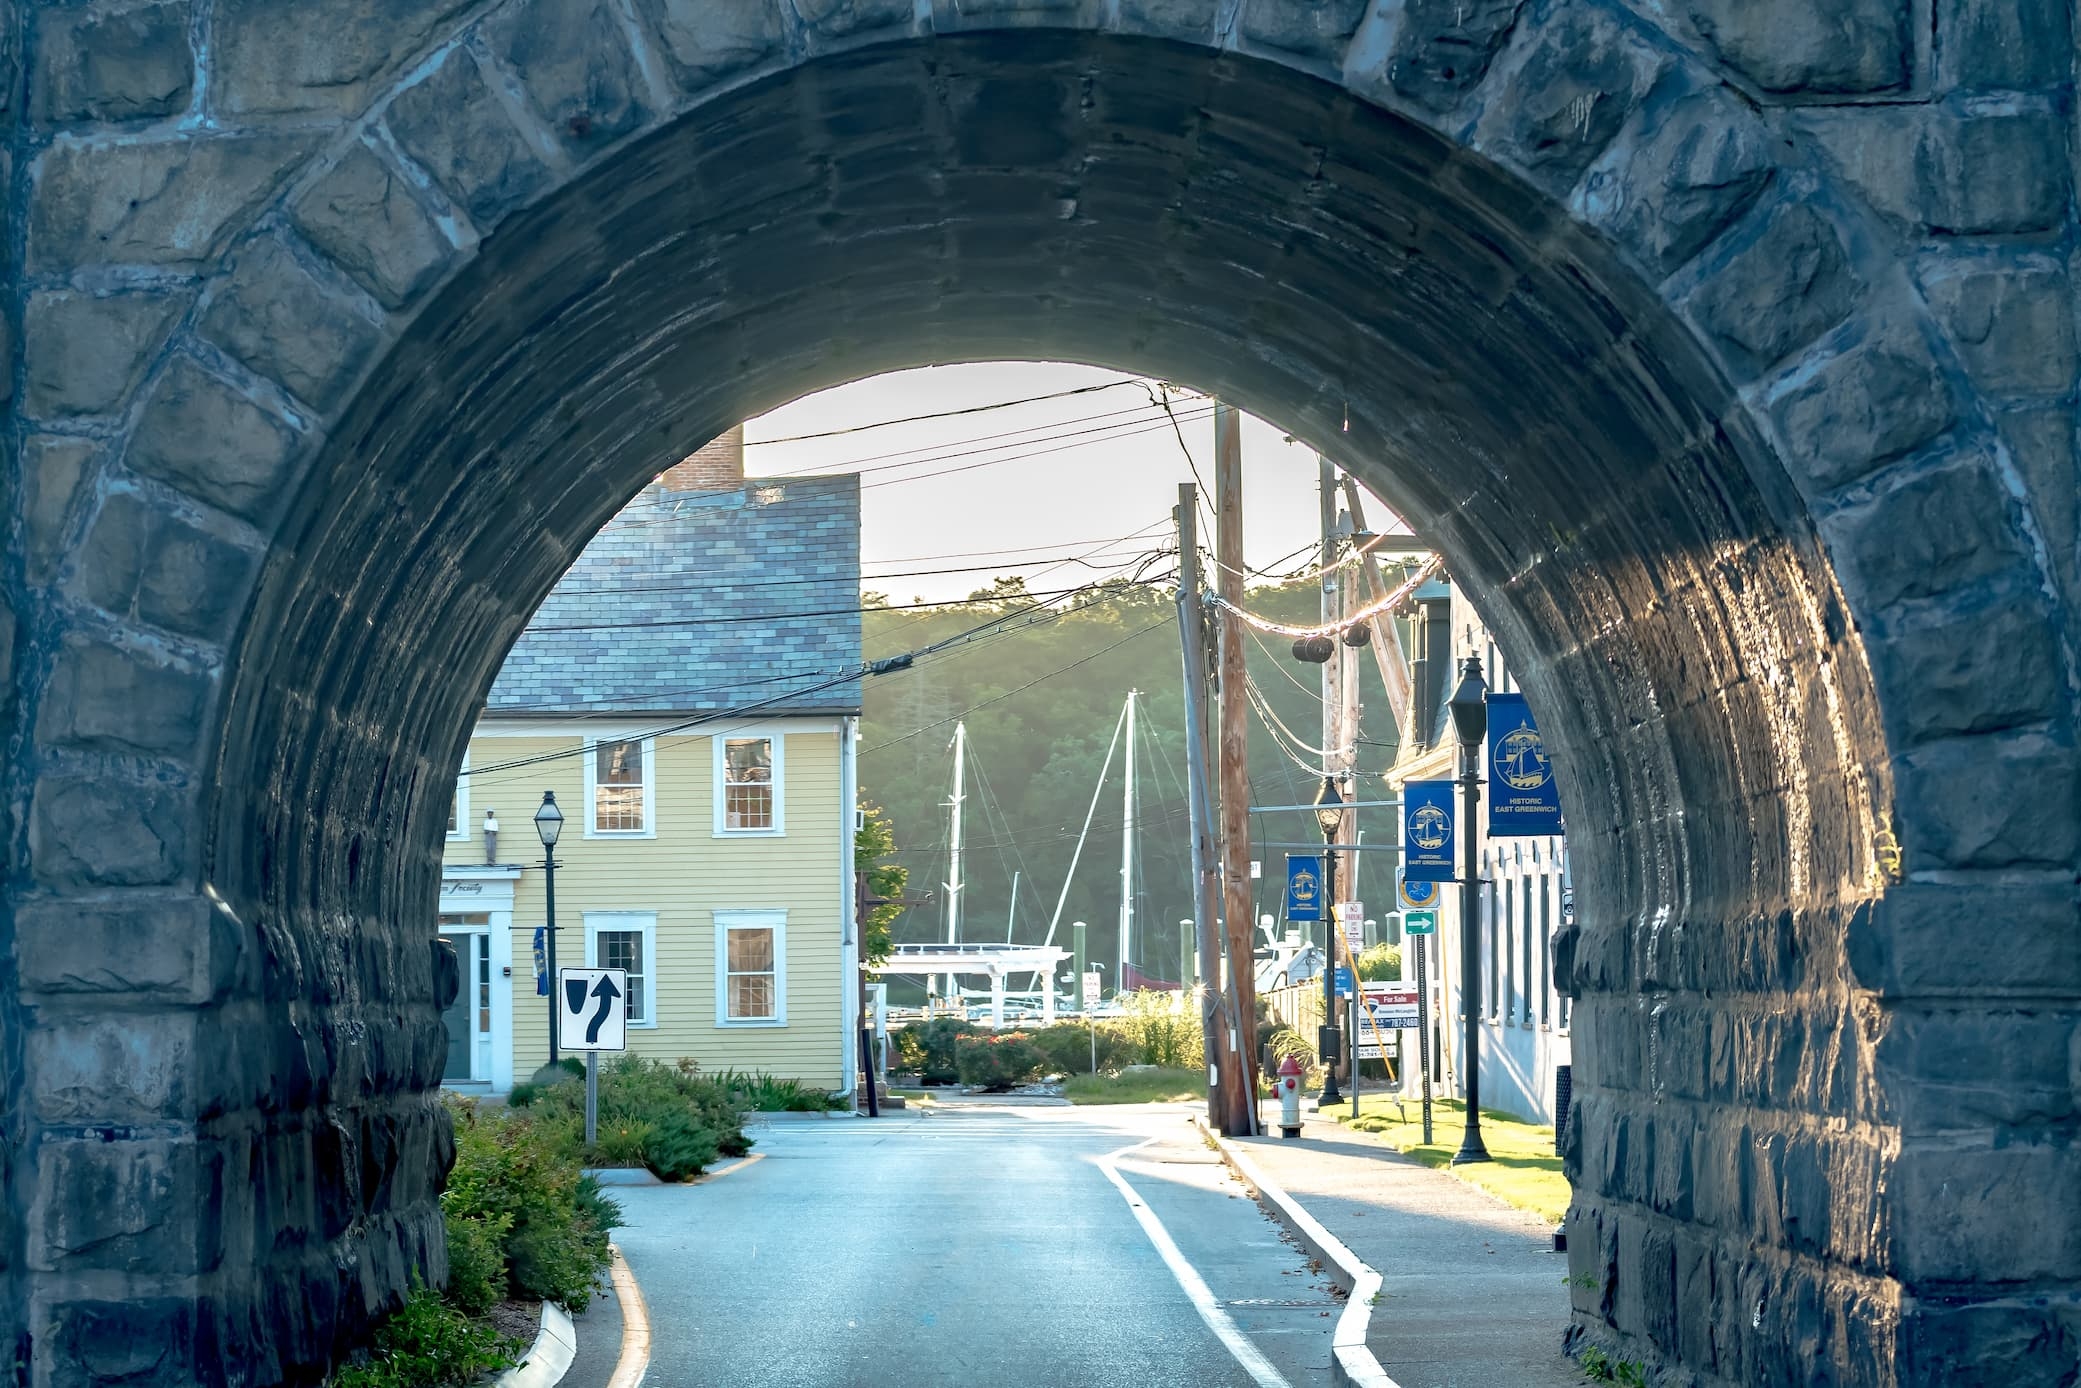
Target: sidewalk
pixel 1471 1294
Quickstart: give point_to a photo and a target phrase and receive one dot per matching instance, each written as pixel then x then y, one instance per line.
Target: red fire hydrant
pixel 1289 1097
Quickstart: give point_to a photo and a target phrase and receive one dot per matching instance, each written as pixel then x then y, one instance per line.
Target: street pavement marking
pixel 722 1171
pixel 1196 1289
pixel 635 1325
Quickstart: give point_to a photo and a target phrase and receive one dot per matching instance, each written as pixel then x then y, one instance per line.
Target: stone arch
pixel 1729 360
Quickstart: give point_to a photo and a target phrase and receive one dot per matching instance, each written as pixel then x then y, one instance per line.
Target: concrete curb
pixel 1351 1363
pixel 550 1359
pixel 634 1362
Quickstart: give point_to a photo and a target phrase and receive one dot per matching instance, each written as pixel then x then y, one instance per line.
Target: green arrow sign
pixel 1419 922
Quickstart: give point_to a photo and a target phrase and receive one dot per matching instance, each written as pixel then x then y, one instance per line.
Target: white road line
pixel 1195 1287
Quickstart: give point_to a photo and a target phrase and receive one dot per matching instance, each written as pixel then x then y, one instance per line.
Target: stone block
pixel 130 1068
pixel 1908 943
pixel 324 59
pixel 1980 1214
pixel 365 217
pixel 574 60
pixel 274 315
pixel 201 435
pixel 1936 530
pixel 103 831
pixel 704 40
pixel 141 562
pixel 1782 289
pixel 2013 322
pixel 1880 397
pixel 1682 180
pixel 2003 1343
pixel 1970 1065
pixel 2042 440
pixel 178 949
pixel 1988 802
pixel 1577 83
pixel 55 468
pixel 458 131
pixel 841 18
pixel 107 698
pixel 1795 47
pixel 2013 44
pixel 1315 28
pixel 171 201
pixel 1950 171
pixel 138 1342
pixel 120 65
pixel 1980 669
pixel 87 352
pixel 130 1205
pixel 1443 48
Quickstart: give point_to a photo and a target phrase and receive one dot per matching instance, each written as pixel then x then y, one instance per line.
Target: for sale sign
pixel 1394 1005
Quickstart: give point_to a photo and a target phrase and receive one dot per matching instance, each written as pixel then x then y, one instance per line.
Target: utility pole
pixel 1205 863
pixel 1238 1082
pixel 1332 706
pixel 1387 645
pixel 1127 827
pixel 954 853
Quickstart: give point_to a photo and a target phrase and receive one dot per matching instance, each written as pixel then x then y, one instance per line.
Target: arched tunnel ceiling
pixel 1425 319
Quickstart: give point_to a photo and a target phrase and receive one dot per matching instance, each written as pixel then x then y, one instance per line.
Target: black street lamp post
pixel 1329 814
pixel 549 822
pixel 1470 720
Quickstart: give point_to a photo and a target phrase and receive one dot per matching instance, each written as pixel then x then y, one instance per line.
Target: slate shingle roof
pixel 691 602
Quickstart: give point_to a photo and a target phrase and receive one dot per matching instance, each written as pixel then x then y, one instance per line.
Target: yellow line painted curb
pixel 635 1325
pixel 721 1172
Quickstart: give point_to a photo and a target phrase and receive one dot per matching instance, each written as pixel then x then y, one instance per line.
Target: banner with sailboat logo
pixel 1523 800
pixel 1427 831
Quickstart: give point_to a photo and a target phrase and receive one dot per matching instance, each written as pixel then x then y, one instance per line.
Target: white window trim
pixel 644 923
pixel 780 782
pixel 725 921
pixel 461 789
pixel 650 788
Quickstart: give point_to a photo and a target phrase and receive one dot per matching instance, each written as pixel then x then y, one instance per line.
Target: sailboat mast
pixel 1127 850
pixel 954 849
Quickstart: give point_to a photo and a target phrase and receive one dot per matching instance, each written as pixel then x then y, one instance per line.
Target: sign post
pixel 592 1015
pixel 1091 985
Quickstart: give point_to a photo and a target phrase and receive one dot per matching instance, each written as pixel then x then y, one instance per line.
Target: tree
pixel 874 841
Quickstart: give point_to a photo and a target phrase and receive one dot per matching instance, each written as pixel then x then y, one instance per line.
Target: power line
pixel 952 414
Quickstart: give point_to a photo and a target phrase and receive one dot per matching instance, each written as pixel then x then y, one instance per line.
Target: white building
pixel 1524 887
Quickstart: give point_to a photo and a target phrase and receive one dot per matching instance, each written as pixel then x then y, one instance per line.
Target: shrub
pixel 935 1042
pixel 996 1062
pixel 1380 963
pixel 1066 1047
pixel 520 1177
pixel 429 1344
pixel 1164 1029
pixel 476 1259
pixel 679 1147
pixel 763 1093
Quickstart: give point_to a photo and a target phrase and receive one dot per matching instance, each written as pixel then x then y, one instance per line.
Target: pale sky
pixel 1033 482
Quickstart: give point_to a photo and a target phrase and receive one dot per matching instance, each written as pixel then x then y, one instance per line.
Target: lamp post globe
pixel 1329 816
pixel 549 825
pixel 1469 705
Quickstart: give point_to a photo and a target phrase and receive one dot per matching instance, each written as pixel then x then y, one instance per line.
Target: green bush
pixel 476 1259
pixel 1066 1047
pixel 1164 1029
pixel 1380 963
pixel 430 1344
pixel 518 1176
pixel 759 1092
pixel 996 1062
pixel 680 1147
pixel 935 1047
pixel 645 1103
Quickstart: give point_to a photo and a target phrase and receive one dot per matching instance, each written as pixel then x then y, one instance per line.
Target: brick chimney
pixel 716 466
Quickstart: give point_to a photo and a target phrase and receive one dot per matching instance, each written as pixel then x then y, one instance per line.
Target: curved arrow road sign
pixel 592 1010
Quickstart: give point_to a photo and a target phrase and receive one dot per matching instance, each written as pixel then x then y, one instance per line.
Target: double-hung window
pixel 619 776
pixel 459 801
pixel 751 968
pixel 748 784
pixel 627 940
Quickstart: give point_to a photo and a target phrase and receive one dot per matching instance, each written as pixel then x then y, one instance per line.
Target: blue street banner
pixel 541 962
pixel 1304 886
pixel 1347 982
pixel 1427 831
pixel 1523 800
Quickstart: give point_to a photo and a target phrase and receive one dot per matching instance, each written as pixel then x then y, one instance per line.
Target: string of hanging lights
pixel 1348 629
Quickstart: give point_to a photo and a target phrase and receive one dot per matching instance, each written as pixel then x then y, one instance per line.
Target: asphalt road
pixel 975 1247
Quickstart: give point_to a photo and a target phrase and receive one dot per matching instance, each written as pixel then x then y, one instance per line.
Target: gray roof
pixel 692 602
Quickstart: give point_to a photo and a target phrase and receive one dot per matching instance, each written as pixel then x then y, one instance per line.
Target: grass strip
pixel 1136 1087
pixel 1526 1172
